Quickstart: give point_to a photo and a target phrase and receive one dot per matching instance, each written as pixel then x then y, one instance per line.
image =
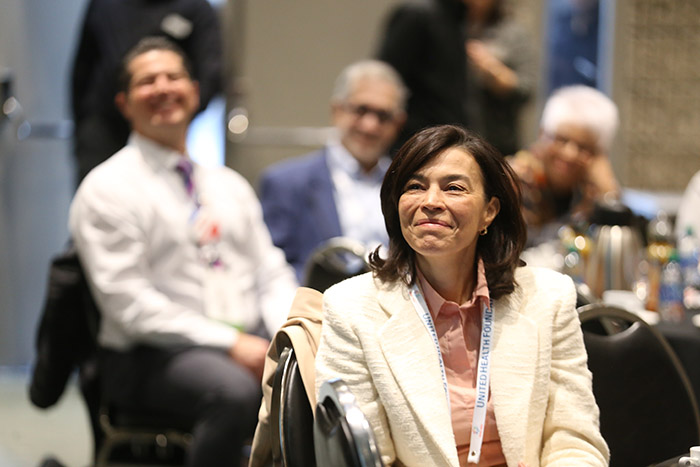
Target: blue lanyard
pixel 484 365
pixel 424 313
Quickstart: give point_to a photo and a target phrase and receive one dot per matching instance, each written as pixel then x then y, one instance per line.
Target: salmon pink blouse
pixel 459 329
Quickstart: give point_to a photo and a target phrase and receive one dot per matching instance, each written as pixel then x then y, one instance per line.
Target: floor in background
pixel 29 435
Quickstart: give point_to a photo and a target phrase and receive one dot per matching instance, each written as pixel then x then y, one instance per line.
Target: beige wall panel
pixel 657 85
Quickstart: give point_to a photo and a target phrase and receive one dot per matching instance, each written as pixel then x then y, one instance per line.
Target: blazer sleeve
pixel 571 433
pixel 341 355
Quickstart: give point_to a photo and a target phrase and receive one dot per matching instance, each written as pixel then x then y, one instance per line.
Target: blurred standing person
pixel 424 41
pixel 110 28
pixel 502 73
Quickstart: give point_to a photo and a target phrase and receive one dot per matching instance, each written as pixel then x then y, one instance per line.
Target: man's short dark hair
pixel 145 45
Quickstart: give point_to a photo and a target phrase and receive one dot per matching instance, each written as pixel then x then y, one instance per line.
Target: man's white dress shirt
pixel 167 268
pixel 357 196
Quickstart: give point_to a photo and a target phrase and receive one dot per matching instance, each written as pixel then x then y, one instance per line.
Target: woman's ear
pixel 492 209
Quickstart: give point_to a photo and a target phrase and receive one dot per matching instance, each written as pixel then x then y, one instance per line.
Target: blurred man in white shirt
pixel 181 265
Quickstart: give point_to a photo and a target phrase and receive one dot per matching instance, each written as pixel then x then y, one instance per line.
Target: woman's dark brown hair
pixel 500 248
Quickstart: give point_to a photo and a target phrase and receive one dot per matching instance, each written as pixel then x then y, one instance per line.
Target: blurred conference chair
pixel 67 340
pixel 291 416
pixel 337 259
pixel 648 411
pixel 342 435
pixel 137 437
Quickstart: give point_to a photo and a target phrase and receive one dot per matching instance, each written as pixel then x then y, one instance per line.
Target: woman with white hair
pixel 567 169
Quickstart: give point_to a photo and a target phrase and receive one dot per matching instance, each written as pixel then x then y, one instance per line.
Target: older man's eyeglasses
pixel 359 111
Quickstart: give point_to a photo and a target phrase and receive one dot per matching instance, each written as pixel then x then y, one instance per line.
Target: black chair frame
pixel 648 410
pixel 342 434
pixel 291 417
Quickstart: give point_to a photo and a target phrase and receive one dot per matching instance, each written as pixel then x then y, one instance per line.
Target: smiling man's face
pixel 161 94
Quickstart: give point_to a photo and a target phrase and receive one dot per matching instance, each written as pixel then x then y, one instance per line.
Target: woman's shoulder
pixel 354 288
pixel 537 278
pixel 540 292
pixel 360 292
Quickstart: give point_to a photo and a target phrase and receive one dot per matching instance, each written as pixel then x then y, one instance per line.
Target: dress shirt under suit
pixel 301 198
pixel 540 384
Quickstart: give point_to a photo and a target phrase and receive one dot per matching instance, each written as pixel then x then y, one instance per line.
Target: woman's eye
pixel 412 186
pixel 455 188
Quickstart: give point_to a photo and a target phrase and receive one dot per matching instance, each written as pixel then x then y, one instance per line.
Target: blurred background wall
pixel 36 169
pixel 656 71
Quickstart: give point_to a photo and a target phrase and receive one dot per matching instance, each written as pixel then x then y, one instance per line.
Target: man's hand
pixel 249 351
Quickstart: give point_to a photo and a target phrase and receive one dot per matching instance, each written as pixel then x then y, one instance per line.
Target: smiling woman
pixel 450 152
pixel 457 354
pixel 442 211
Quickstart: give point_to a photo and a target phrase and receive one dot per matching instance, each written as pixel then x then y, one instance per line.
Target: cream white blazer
pixel 546 414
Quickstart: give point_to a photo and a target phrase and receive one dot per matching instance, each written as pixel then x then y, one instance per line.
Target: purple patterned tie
pixel 184 166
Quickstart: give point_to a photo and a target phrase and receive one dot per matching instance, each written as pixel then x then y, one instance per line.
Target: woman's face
pixel 443 207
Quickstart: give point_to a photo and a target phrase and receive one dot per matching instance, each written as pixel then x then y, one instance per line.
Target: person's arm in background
pixel 530 171
pixel 515 77
pixel 600 178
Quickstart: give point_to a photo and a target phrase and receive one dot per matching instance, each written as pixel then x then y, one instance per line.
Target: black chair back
pixel 291 417
pixel 333 261
pixel 66 340
pixel 648 411
pixel 342 435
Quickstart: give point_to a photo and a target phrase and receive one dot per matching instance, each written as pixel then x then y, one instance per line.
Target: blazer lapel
pixel 513 370
pixel 411 355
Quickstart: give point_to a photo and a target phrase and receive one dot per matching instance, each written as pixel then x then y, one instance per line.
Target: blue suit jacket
pixel 299 207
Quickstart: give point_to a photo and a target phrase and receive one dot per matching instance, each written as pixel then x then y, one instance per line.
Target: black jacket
pixel 425 42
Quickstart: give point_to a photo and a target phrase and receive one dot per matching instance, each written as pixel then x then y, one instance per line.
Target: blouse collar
pixel 435 301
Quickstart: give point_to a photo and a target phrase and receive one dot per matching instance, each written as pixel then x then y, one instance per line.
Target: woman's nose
pixel 433 198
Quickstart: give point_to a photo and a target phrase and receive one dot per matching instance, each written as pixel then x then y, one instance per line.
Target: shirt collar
pixel 435 301
pixel 155 154
pixel 339 158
